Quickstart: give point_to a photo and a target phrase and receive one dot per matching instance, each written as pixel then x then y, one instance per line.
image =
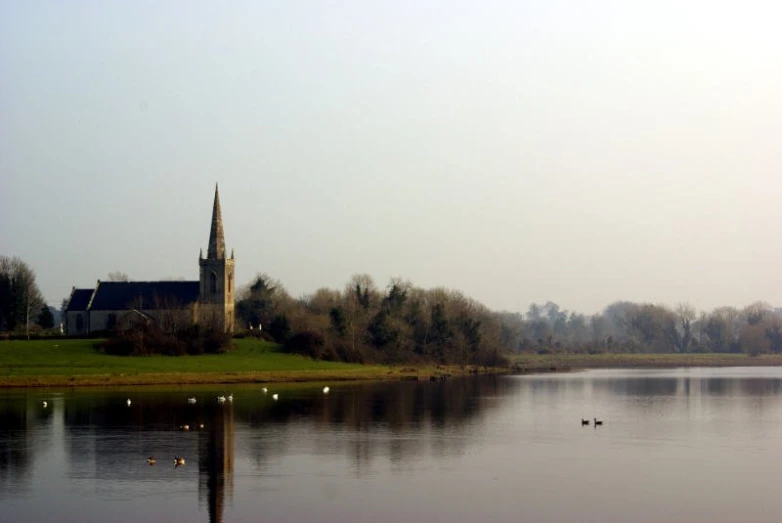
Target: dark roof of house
pixel 79 299
pixel 150 295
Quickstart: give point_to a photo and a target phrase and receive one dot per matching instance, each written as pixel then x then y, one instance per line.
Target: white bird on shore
pixel 275 397
pixel 326 390
pixel 128 402
pixel 44 404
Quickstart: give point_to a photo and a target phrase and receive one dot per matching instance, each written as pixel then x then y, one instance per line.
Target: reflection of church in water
pixel 216 462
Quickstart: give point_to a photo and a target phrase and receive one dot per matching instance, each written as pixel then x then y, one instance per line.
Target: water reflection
pixel 104 441
pixel 14 449
pixel 452 448
pixel 216 461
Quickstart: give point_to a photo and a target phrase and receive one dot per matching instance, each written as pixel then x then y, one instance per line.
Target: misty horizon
pixel 518 153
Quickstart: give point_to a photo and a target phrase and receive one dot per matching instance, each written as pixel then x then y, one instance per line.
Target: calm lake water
pixel 676 445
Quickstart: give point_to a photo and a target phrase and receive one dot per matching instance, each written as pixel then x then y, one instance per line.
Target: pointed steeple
pixel 216 250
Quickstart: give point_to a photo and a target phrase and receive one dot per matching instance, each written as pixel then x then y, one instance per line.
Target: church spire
pixel 216 250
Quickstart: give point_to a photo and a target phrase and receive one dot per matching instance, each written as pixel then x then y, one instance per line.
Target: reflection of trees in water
pixel 23 435
pixel 103 425
pixel 638 386
pixel 15 456
pixel 688 386
pixel 662 395
pixel 396 420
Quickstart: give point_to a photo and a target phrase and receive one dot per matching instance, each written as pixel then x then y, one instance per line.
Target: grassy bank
pixel 77 363
pixel 561 362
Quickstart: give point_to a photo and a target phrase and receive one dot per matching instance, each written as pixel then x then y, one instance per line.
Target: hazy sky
pixel 579 152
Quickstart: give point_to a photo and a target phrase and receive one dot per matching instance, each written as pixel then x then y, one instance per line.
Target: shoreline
pixel 533 364
pixel 370 373
pixel 76 363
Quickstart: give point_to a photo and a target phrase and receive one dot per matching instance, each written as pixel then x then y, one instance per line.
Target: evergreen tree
pixel 45 318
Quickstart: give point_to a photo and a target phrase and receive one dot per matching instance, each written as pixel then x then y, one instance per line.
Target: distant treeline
pixel 645 327
pixel 404 323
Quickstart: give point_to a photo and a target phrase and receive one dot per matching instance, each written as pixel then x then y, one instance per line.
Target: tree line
pixel 401 322
pixel 646 327
pixel 362 322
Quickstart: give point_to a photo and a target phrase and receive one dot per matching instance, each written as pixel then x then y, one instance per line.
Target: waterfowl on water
pixel 275 397
pixel 128 402
pixel 151 460
pixel 44 404
pixel 178 461
pixel 264 390
pixel 230 397
pixel 584 421
pixel 184 427
pixel 191 400
pixel 200 426
pixel 220 399
pixel 598 422
pixel 326 390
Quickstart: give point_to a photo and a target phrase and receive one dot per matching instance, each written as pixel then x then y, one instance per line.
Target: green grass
pixel 577 361
pixel 42 362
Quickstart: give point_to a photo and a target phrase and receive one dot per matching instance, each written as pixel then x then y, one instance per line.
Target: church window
pixel 213 283
pixel 79 323
pixel 230 279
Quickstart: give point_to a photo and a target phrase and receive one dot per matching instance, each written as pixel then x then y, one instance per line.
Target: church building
pixel 170 304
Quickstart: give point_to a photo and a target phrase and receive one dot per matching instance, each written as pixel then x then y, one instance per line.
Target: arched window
pixel 213 283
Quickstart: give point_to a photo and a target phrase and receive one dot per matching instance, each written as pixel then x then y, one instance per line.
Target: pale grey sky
pixel 580 152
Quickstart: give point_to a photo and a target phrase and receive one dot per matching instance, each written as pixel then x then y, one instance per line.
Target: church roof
pixel 80 298
pixel 123 295
pixel 216 249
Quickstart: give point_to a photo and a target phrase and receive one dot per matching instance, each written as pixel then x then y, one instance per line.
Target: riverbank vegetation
pixel 526 363
pixel 361 323
pixel 146 339
pixel 403 323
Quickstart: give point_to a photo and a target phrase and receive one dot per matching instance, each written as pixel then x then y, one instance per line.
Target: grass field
pixel 76 362
pixel 557 362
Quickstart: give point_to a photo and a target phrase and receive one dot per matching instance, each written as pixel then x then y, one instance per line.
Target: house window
pixel 213 283
pixel 79 323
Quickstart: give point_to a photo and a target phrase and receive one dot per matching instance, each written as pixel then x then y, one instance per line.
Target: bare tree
pixel 685 315
pixel 118 276
pixel 170 314
pixel 20 298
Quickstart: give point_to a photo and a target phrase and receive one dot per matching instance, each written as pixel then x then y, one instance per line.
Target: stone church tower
pixel 216 296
